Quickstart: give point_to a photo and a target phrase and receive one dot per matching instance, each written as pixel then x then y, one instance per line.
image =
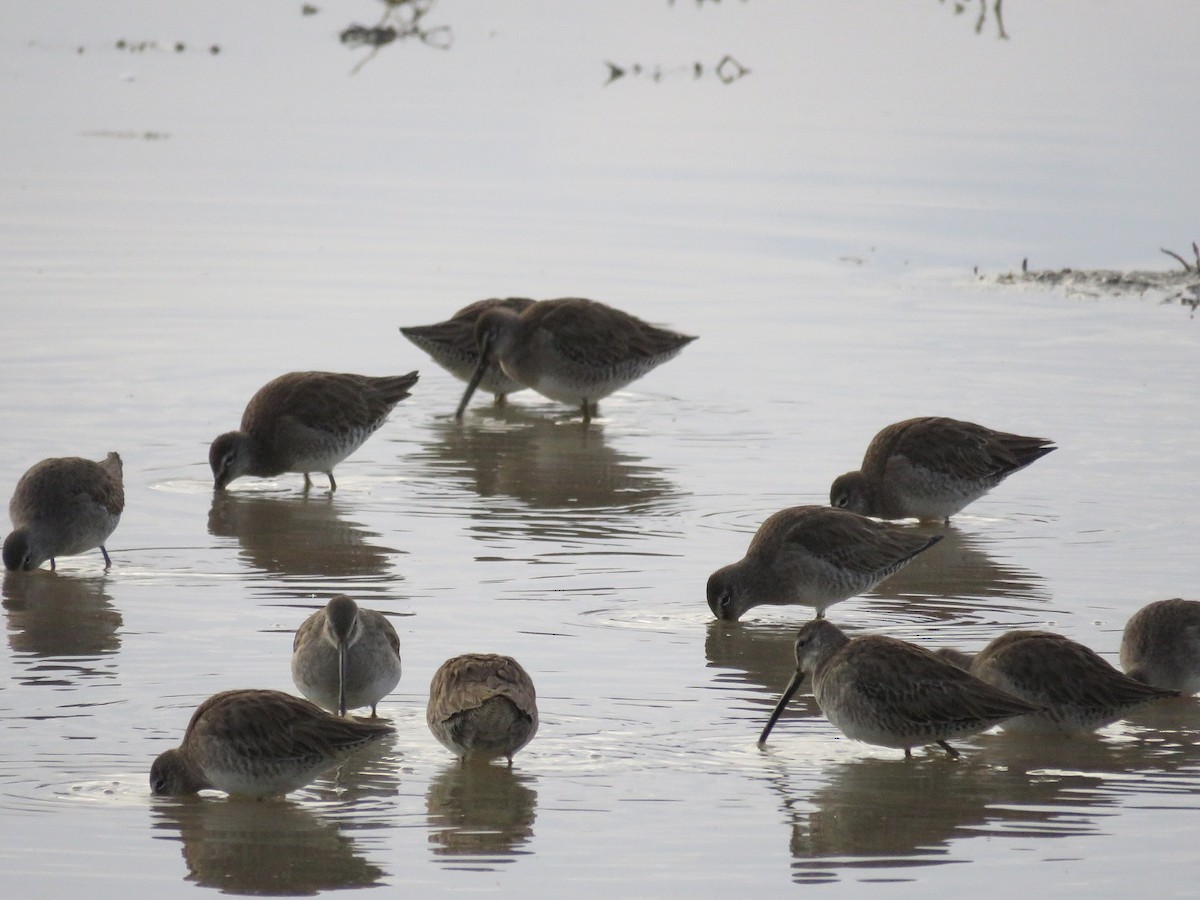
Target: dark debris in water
pixel 401 19
pixel 369 36
pixel 960 7
pixel 1175 286
pixel 147 46
pixel 727 71
pixel 129 135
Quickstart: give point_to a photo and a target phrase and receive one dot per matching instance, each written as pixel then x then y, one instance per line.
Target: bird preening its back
pixel 482 705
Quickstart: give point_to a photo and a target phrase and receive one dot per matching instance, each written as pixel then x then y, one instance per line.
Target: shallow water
pixel 180 226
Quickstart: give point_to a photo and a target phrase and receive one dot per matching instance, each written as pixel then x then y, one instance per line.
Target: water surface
pixel 180 226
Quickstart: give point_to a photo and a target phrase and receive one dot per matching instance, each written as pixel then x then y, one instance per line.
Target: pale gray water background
pixel 176 228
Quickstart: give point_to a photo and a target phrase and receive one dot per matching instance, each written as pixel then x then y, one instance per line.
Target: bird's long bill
pixel 781 705
pixel 341 678
pixel 485 358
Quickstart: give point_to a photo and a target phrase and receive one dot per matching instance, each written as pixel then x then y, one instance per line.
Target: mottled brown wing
pixel 327 401
pixel 272 724
pixel 927 688
pixel 109 488
pixel 466 682
pixel 374 619
pixel 843 539
pixel 960 449
pixel 470 313
pixel 1055 668
pixel 596 335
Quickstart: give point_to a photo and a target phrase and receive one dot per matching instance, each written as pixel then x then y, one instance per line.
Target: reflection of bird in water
pixel 258 743
pixel 576 484
pixel 1077 689
pixel 345 657
pixel 63 507
pixel 1161 645
pixel 866 815
pixel 264 848
pixel 480 810
pixel 481 706
pixel 296 535
pixel 305 422
pixel 760 655
pixel 957 577
pixel 891 693
pixel 812 556
pixel 452 345
pixel 572 350
pixel 931 467
pixel 55 616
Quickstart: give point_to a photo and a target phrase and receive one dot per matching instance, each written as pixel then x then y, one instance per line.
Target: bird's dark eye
pixel 724 600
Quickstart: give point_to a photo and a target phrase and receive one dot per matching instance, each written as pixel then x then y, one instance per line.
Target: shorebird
pixel 1161 645
pixel 482 705
pixel 891 693
pixel 258 744
pixel 344 657
pixel 305 422
pixel 571 350
pixel 62 507
pixel 1076 688
pixel 453 346
pixel 930 468
pixel 813 556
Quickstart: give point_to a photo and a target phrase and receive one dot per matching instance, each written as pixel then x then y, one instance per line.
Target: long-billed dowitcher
pixel 891 693
pixel 932 467
pixel 814 556
pixel 452 345
pixel 344 656
pixel 258 744
pixel 306 422
pixel 482 705
pixel 1161 645
pixel 572 350
pixel 62 507
pixel 1076 688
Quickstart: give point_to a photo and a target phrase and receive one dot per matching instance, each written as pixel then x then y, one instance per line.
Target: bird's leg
pixel 107 560
pixel 950 750
pixel 332 483
pixel 307 483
